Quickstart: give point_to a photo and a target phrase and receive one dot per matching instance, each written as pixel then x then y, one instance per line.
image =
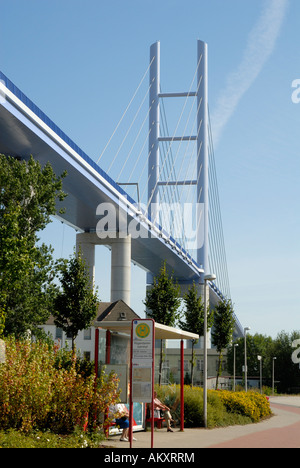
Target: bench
pixel 158 421
pixel 107 427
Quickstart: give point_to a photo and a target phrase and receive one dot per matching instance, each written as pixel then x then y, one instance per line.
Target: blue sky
pixel 81 61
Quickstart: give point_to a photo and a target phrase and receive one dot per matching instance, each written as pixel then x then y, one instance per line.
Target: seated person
pixel 158 407
pixel 121 414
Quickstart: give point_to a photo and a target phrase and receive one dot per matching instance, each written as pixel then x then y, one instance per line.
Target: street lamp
pixel 234 364
pixel 206 279
pixel 260 371
pixel 245 342
pixel 273 375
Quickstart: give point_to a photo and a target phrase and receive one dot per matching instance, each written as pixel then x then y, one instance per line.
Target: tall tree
pixel 256 345
pixel 224 322
pixel 28 196
pixel 163 302
pixel 2 321
pixel 287 373
pixel 76 304
pixel 193 319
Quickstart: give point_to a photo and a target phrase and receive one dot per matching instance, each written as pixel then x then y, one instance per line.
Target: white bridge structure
pixel 162 225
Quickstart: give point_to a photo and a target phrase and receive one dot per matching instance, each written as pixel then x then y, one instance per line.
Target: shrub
pixel 193 406
pixel 224 408
pixel 36 393
pixel 251 404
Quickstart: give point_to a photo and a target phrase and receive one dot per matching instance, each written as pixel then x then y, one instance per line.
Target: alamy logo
pixel 183 222
pixel 296 93
pixel 296 354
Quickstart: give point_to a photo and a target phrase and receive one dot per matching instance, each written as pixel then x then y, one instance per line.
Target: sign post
pixel 142 367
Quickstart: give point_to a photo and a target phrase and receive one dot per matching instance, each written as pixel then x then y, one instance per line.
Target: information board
pixel 142 360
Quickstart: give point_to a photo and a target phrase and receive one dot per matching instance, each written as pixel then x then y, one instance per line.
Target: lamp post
pixel 206 279
pixel 234 364
pixel 246 372
pixel 273 375
pixel 260 371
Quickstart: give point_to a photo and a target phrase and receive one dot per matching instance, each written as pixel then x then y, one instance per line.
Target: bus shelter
pixel 161 332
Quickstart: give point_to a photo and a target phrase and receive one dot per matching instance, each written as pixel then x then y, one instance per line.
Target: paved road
pixel 280 431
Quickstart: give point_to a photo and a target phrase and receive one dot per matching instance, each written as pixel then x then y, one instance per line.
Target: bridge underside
pixel 25 132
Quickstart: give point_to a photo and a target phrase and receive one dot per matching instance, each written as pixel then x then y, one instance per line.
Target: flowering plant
pixel 35 393
pixel 251 404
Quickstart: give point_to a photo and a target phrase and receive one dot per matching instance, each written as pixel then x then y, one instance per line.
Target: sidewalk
pixel 280 431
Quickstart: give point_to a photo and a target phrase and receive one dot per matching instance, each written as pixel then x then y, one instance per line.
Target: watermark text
pixel 296 92
pixel 183 222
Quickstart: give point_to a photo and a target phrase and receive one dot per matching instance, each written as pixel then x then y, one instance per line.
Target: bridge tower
pixel 120 245
pixel 202 145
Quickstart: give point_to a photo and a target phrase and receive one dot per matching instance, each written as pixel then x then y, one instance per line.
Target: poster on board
pixel 142 360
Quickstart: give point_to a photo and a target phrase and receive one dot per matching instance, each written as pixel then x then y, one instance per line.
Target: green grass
pixel 17 439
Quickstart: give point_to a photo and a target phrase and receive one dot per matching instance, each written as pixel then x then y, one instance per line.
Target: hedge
pixel 38 393
pixel 224 408
pixel 250 404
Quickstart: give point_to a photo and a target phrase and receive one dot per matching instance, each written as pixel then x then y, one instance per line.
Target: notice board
pixel 142 360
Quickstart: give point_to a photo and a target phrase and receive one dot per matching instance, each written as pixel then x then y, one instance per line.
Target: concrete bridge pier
pixel 120 288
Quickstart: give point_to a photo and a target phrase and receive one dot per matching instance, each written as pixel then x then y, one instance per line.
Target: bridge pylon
pixel 154 169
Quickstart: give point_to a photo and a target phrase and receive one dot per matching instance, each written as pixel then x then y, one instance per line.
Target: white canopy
pixel 162 332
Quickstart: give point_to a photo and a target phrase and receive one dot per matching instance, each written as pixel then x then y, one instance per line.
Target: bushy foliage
pixel 224 408
pixel 287 373
pixel 36 393
pixel 76 304
pixel 250 404
pixel 28 197
pixel 2 320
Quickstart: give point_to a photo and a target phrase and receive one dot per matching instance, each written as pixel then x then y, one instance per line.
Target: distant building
pixel 85 341
pixel 120 347
pixel 171 367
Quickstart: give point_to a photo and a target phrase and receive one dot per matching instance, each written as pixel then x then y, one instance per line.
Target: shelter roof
pixel 162 332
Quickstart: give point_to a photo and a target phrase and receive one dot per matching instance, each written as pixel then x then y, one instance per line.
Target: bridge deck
pixel 26 130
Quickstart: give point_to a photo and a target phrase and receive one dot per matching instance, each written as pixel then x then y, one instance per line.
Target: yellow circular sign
pixel 142 330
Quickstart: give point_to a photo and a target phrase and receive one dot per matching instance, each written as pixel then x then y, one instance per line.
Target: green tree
pixel 193 319
pixel 34 188
pixel 32 301
pixel 257 345
pixel 28 197
pixel 224 322
pixel 287 374
pixel 76 304
pixel 2 322
pixel 163 302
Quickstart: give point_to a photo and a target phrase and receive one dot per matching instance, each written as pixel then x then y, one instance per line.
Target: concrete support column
pixel 121 270
pixel 120 287
pixel 87 250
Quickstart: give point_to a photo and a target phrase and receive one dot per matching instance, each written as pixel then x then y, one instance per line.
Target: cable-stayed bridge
pixel 153 197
